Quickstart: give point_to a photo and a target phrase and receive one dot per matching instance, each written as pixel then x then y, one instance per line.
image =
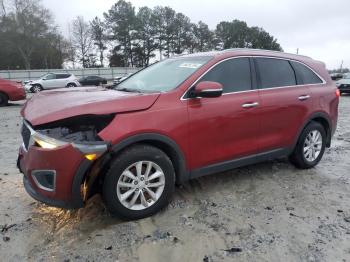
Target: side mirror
pixel 207 89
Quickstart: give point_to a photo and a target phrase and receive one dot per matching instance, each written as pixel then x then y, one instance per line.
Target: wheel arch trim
pixel 176 154
pixel 313 117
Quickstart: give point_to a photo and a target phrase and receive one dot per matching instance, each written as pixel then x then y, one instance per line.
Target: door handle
pixel 303 97
pixel 250 105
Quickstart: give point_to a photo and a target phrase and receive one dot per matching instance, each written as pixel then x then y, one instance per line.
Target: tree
pixel 259 38
pixel 182 33
pixel 164 18
pixel 82 39
pixel 237 34
pixel 202 39
pixel 98 36
pixel 145 43
pixel 121 21
pixel 28 36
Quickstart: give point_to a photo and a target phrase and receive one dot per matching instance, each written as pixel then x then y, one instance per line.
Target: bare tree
pixel 2 8
pixel 82 40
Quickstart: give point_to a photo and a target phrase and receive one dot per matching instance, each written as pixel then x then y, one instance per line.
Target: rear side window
pixel 275 72
pixel 233 74
pixel 305 75
pixel 62 76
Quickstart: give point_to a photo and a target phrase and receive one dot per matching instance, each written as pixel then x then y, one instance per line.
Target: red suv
pixel 11 91
pixel 179 119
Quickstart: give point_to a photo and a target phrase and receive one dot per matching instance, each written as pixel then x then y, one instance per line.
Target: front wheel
pixel 36 89
pixel 140 182
pixel 310 146
pixel 3 99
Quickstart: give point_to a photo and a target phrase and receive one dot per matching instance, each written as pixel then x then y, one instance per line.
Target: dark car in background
pixel 336 76
pixel 344 84
pixel 11 91
pixel 92 81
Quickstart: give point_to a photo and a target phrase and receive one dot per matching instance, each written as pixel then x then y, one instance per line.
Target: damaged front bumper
pixel 54 170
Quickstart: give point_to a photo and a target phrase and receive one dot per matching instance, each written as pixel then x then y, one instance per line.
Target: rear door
pixel 225 128
pixel 62 80
pixel 285 103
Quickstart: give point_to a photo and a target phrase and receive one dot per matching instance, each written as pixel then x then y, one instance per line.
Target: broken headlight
pixel 81 132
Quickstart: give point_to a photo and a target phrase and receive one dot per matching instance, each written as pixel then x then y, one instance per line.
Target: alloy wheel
pixel 312 145
pixel 140 185
pixel 36 89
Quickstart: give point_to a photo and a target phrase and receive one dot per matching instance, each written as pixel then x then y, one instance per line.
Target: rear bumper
pixel 70 167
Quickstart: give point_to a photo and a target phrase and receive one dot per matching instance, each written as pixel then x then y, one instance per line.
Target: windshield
pixel 165 75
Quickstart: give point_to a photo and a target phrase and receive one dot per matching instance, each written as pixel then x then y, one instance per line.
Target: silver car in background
pixel 52 81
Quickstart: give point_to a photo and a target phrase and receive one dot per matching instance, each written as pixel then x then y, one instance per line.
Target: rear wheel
pixel 3 99
pixel 310 147
pixel 139 182
pixel 71 85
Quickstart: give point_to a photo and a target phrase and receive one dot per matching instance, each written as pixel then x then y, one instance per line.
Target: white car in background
pixel 344 84
pixel 51 81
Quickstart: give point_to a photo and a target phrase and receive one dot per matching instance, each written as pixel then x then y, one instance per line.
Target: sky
pixel 319 28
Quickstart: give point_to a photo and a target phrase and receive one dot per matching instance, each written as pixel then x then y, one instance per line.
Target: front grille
pixel 25 135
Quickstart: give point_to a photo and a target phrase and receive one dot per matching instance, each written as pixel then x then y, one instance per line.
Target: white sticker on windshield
pixel 190 65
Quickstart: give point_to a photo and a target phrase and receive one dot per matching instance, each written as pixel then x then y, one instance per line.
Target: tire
pixel 113 190
pixel 71 85
pixel 36 89
pixel 311 157
pixel 3 99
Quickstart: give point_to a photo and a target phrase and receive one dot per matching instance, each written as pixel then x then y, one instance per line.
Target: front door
pixel 227 127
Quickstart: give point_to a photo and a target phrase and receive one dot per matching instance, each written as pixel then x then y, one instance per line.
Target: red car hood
pixel 50 106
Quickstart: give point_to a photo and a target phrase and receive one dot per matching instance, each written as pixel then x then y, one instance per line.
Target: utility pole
pixel 341 66
pixel 298 51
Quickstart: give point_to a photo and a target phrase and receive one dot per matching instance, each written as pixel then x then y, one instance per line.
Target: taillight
pixel 337 93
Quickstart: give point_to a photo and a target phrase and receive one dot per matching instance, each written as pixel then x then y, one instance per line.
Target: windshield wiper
pixel 124 89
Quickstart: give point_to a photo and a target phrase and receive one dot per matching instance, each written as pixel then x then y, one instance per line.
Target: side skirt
pixel 239 162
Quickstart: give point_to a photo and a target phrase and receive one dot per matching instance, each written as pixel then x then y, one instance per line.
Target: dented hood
pixel 50 106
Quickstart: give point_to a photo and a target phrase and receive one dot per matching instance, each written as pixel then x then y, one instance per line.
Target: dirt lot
pixel 265 212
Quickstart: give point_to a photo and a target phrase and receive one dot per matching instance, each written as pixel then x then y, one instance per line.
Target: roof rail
pixel 265 50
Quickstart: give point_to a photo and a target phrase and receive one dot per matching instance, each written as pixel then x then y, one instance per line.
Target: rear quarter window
pixel 305 75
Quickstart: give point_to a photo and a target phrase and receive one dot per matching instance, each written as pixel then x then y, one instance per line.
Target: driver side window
pixel 233 74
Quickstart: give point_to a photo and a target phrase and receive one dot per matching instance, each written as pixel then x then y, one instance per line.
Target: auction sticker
pixel 190 65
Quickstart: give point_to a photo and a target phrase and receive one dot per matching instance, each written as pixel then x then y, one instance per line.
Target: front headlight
pixel 47 142
pixel 337 84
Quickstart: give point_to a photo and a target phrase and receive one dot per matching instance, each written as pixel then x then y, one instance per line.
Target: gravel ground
pixel 265 212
